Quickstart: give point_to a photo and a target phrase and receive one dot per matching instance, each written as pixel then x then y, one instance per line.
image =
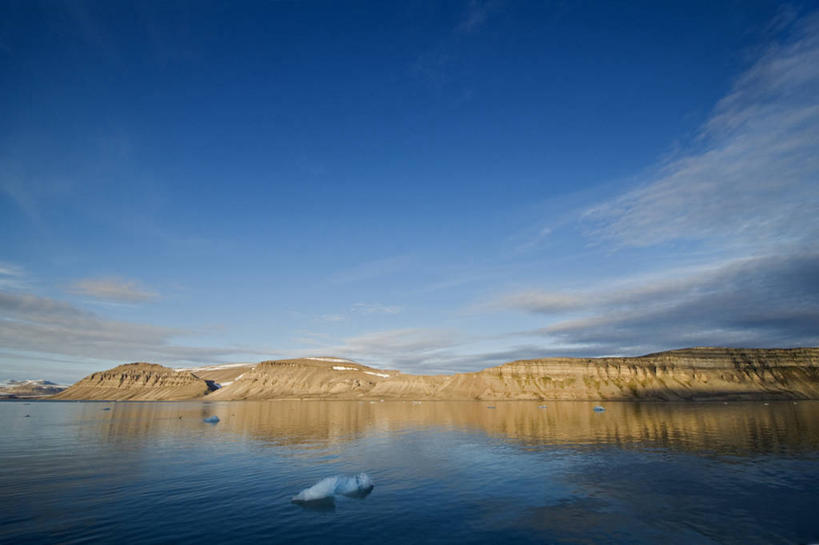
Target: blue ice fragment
pixel 599 409
pixel 352 486
pixel 211 419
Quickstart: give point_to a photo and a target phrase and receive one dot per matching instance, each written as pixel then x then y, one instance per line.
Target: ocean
pixel 442 472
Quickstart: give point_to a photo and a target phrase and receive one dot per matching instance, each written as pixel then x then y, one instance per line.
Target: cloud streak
pixel 29 323
pixel 752 182
pixel 763 301
pixel 113 289
pixel 745 191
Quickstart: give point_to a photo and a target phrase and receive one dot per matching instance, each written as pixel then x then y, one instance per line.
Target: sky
pixel 424 186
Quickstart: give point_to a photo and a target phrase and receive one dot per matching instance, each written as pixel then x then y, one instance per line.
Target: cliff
pixel 687 374
pixel 304 378
pixel 692 373
pixel 138 381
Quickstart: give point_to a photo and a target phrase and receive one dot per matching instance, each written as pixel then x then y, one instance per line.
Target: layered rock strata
pixel 687 374
pixel 138 381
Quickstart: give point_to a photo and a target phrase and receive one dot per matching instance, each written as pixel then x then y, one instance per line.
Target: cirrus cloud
pixel 113 289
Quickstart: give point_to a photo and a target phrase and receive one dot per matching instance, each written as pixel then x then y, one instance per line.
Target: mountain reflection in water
pixel 444 472
pixel 739 427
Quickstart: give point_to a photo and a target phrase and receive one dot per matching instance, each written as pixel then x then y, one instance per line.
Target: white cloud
pixel 29 323
pixel 762 301
pixel 11 276
pixel 375 308
pixel 752 182
pixel 113 289
pixel 405 349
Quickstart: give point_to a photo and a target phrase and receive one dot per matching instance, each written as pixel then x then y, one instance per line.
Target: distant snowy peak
pixel 29 388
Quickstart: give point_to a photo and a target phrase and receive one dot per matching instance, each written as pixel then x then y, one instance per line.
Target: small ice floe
pixel 351 486
pixel 599 409
pixel 211 420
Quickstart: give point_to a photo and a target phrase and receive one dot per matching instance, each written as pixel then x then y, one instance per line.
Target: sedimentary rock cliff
pixel 693 373
pixel 138 381
pixel 304 378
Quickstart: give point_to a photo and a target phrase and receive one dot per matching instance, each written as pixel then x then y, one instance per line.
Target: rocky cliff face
pixel 304 378
pixel 694 373
pixel 138 381
pixel 688 374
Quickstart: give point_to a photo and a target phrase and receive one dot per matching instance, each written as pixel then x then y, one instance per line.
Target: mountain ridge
pixel 682 374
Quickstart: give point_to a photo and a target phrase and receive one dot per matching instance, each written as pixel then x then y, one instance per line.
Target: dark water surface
pixel 443 472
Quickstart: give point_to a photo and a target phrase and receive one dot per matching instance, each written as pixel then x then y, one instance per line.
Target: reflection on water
pixel 444 472
pixel 740 428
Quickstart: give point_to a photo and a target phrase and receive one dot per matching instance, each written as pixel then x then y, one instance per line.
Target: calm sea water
pixel 443 472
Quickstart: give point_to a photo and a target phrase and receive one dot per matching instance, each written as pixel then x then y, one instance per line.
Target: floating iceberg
pixel 211 419
pixel 352 486
pixel 599 409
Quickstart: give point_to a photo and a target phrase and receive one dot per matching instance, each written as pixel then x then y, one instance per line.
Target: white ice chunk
pixel 358 485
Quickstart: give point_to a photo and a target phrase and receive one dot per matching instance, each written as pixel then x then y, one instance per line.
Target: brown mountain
pixel 693 373
pixel 138 381
pixel 325 377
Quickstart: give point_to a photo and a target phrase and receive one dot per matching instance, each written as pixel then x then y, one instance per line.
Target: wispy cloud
pixel 375 308
pixel 371 269
pixel 746 191
pixel 113 289
pixel 11 276
pixel 405 349
pixel 44 325
pixel 437 63
pixel 752 181
pixel 477 12
pixel 762 301
pixel 361 309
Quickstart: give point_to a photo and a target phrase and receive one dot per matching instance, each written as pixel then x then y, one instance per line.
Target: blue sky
pixel 431 187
